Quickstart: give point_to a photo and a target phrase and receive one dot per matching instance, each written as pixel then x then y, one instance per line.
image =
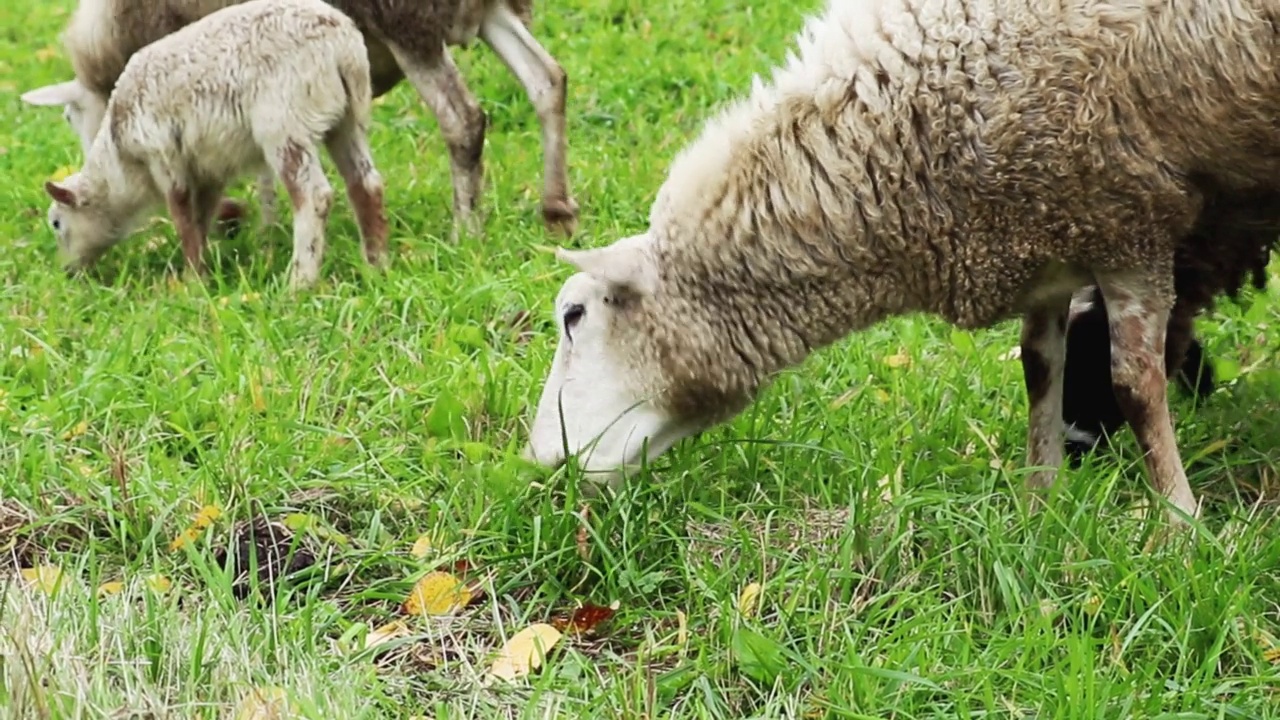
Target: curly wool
pixel 960 158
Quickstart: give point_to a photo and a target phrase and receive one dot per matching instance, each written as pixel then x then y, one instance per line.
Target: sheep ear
pixel 627 263
pixel 63 93
pixel 62 194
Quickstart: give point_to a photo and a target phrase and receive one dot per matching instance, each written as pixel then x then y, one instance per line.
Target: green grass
pixel 873 501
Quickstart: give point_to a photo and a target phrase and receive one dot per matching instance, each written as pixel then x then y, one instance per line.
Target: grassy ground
pixel 868 492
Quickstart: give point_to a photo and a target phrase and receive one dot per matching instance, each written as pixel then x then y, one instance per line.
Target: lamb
pixel 975 160
pixel 1233 238
pixel 403 37
pixel 256 84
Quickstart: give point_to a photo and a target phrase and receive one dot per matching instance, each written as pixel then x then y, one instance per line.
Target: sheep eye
pixel 572 315
pixel 57 224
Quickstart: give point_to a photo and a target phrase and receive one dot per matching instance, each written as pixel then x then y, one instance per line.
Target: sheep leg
pixel 349 149
pixel 546 84
pixel 1138 320
pixel 461 121
pixel 1044 354
pixel 298 166
pixel 267 199
pixel 183 210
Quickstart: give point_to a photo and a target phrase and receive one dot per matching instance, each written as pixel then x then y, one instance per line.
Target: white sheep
pixel 404 38
pixel 260 84
pixel 972 159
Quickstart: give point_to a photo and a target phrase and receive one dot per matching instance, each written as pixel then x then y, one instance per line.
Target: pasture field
pixel 869 493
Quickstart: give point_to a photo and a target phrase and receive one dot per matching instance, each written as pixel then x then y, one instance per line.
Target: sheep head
pixel 83 228
pixel 83 110
pixel 603 401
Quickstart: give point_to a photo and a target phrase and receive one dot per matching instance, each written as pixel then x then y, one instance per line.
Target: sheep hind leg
pixel 1138 320
pixel 298 166
pixel 1044 352
pixel 547 85
pixel 462 123
pixel 349 148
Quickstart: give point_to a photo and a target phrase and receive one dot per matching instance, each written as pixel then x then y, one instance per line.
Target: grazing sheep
pixel 403 37
pixel 976 160
pixel 253 85
pixel 1233 239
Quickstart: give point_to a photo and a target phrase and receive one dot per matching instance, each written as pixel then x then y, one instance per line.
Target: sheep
pixel 974 160
pixel 403 37
pixel 1233 238
pixel 252 85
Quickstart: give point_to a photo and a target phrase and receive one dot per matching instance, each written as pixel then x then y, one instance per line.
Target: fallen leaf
pixel 80 428
pixel 881 396
pixel 386 633
pixel 269 703
pixel 1272 655
pixel 159 583
pixel 682 628
pixel 111 587
pixel 898 360
pixel 46 53
pixel 437 593
pixel 584 549
pixel 207 515
pixel 45 578
pixel 422 546
pixel 191 534
pixel 525 651
pixel 584 619
pixel 749 599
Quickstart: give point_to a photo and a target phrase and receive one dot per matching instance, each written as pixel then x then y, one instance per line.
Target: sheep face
pixel 84 231
pixel 598 404
pixel 82 109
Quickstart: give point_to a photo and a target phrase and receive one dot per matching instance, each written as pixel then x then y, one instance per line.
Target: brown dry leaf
pixel 268 703
pixel 44 578
pixel 749 599
pixel 525 651
pixel 584 619
pixel 437 593
pixel 386 633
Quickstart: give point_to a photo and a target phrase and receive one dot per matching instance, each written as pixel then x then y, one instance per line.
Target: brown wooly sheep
pixel 974 159
pixel 259 83
pixel 1230 245
pixel 403 37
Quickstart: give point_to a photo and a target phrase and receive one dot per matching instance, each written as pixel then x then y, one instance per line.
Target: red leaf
pixel 584 619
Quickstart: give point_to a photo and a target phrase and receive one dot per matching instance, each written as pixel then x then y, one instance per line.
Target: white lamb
pixel 248 87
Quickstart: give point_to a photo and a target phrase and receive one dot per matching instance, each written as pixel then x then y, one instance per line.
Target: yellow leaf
pixel 63 173
pixel 269 703
pixel 1093 604
pixel 898 360
pixel 682 628
pixel 1272 655
pixel 524 651
pixel 386 633
pixel 437 593
pixel 421 546
pixel 207 515
pixel 191 534
pixel 46 53
pixel 44 578
pixel 881 396
pixel 80 428
pixel 255 393
pixel 159 583
pixel 749 599
pixel 110 588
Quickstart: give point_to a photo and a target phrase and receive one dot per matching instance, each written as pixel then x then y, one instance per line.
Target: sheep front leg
pixel 184 211
pixel 1137 318
pixel 349 149
pixel 298 166
pixel 547 86
pixel 461 121
pixel 1044 355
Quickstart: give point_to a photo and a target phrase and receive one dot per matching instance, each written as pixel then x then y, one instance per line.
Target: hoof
pixel 561 216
